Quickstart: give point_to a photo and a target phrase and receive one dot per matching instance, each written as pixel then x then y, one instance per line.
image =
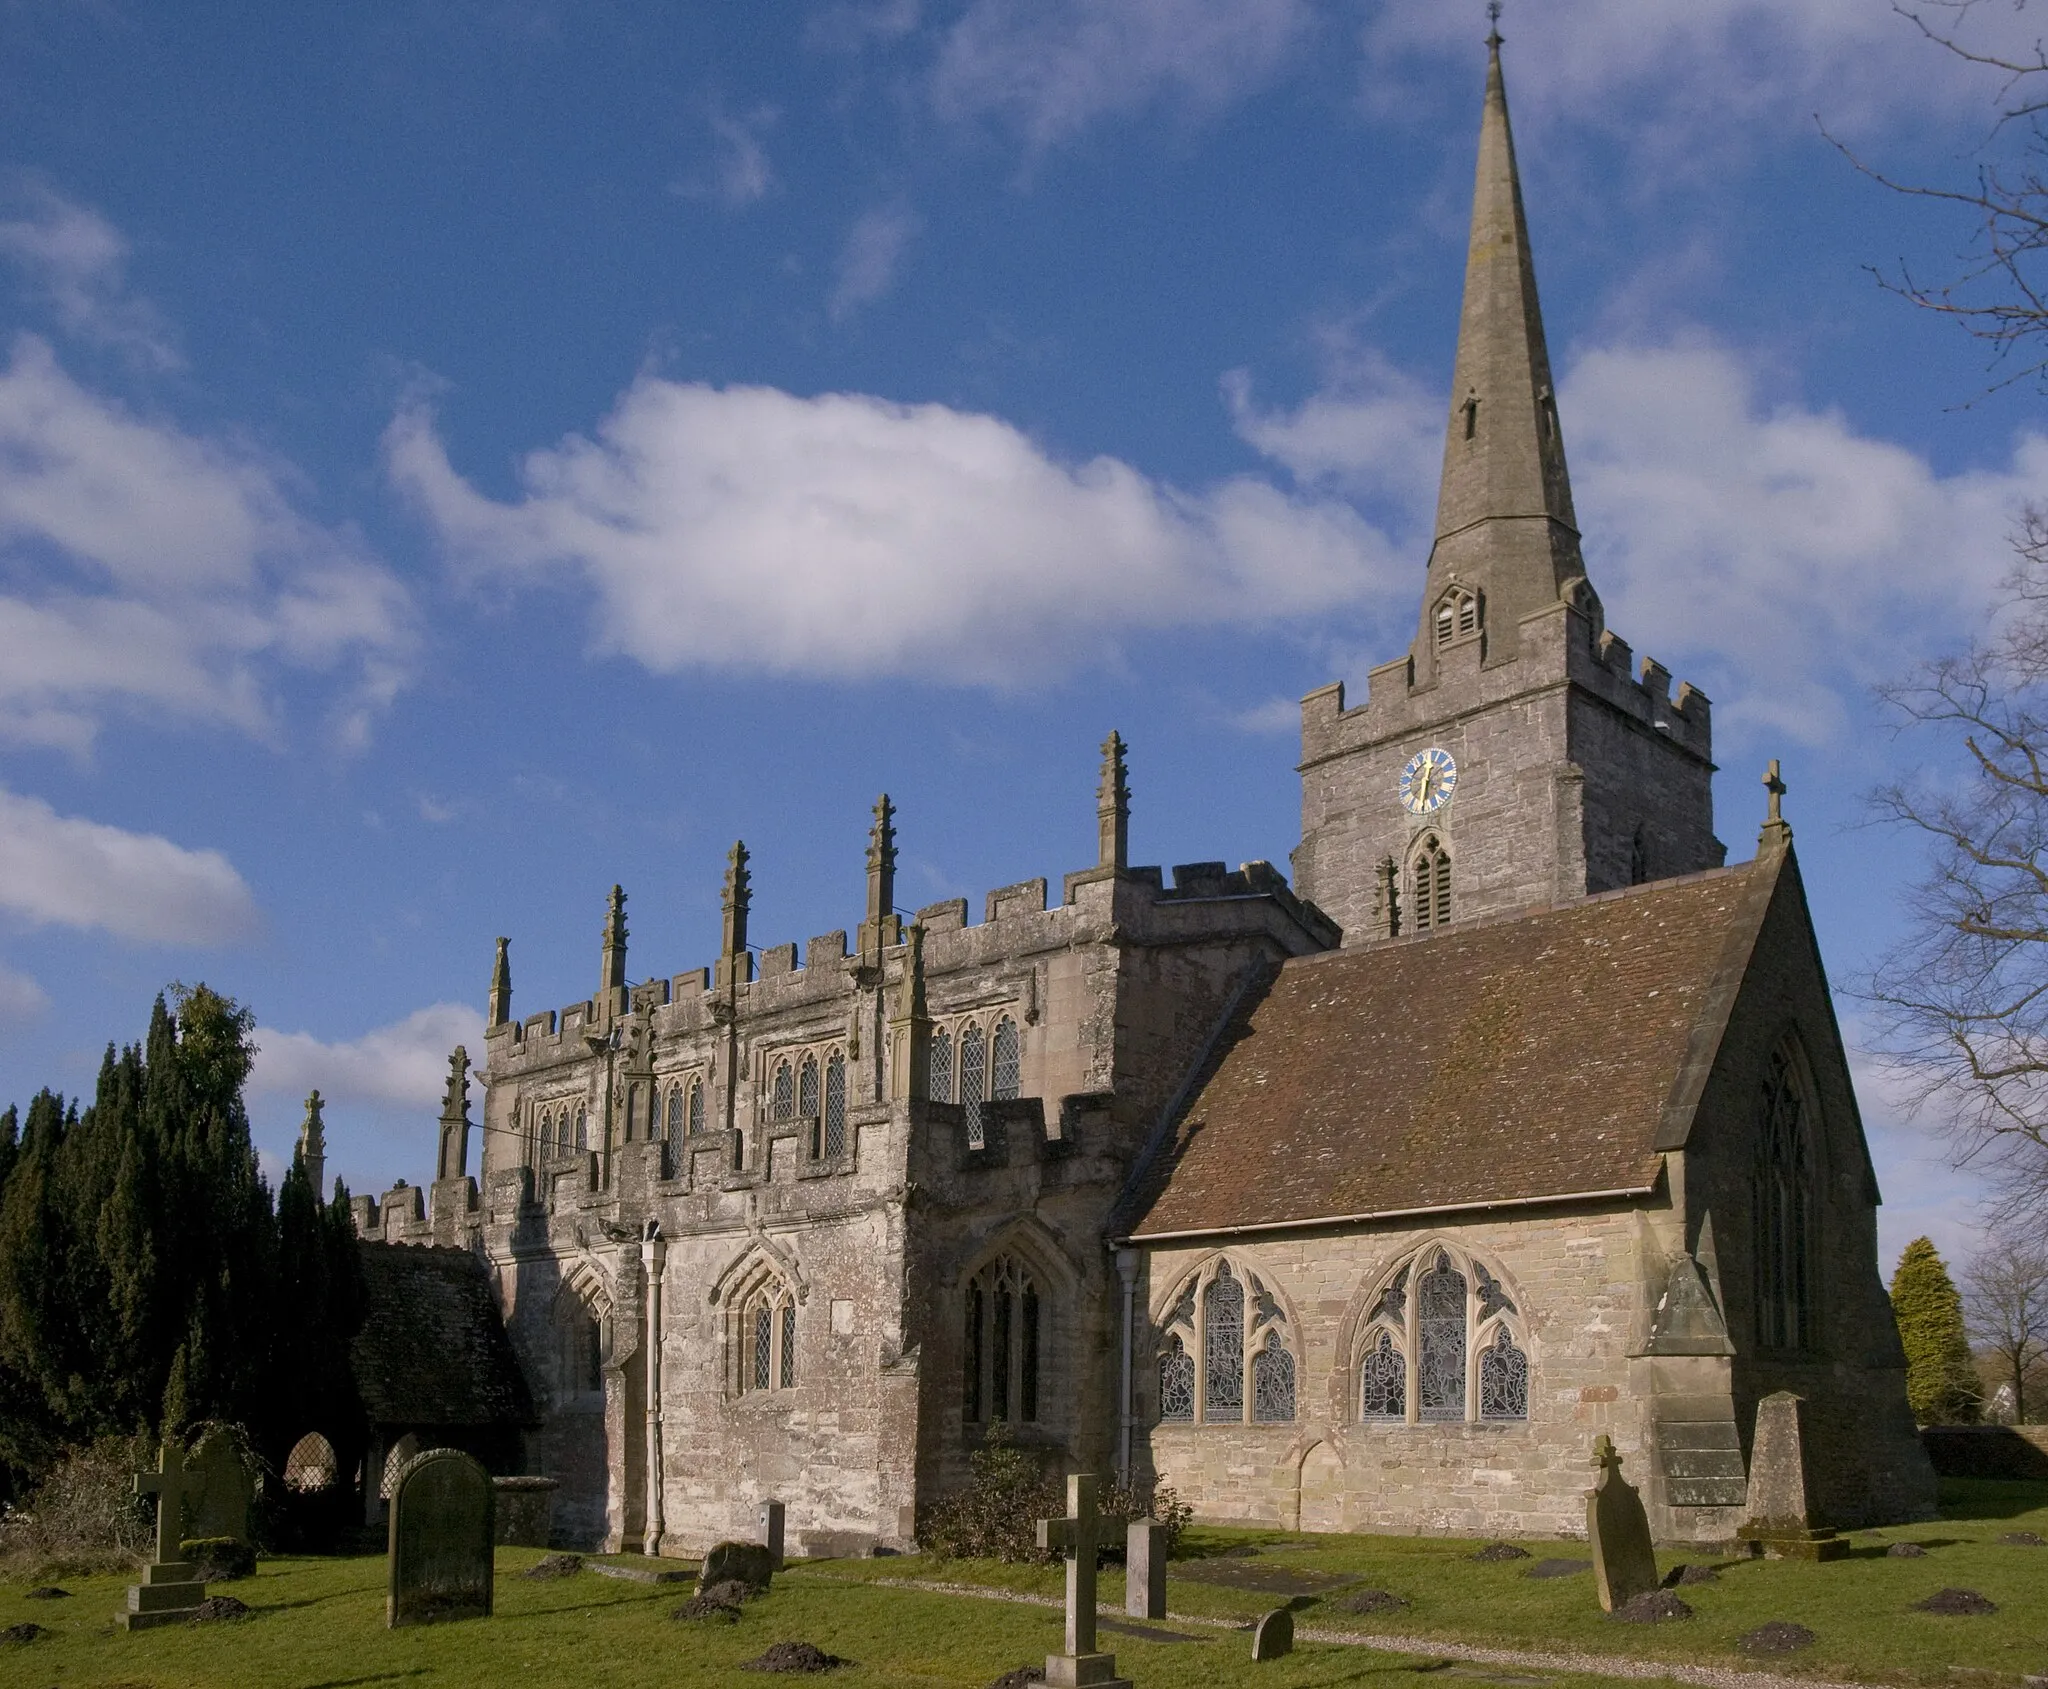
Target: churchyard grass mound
pixel 1689 1576
pixel 795 1657
pixel 1967 1602
pixel 1906 1551
pixel 1776 1637
pixel 1653 1606
pixel 1022 1678
pixel 555 1566
pixel 48 1592
pixel 27 1631
pixel 1495 1551
pixel 216 1608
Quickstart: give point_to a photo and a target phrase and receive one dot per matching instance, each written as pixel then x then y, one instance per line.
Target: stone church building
pixel 1364 1201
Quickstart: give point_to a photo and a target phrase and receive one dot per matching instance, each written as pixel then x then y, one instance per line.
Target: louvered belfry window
pixel 1432 904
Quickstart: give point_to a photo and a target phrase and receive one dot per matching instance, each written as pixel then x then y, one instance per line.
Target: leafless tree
pixel 1961 1001
pixel 2001 292
pixel 2005 1307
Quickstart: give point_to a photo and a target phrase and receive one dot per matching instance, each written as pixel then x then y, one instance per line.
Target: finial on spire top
pixel 313 1144
pixel 613 974
pixel 1493 17
pixel 735 901
pixel 453 1160
pixel 1113 807
pixel 878 930
pixel 1776 787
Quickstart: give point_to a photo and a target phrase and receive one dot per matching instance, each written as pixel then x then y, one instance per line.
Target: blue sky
pixel 453 457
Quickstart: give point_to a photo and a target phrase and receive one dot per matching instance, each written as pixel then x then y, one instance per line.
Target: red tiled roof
pixel 1511 1060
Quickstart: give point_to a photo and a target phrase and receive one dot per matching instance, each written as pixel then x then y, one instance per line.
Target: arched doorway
pixel 1322 1490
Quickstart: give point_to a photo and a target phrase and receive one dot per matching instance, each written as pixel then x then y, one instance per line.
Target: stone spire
pixel 500 1009
pixel 453 1160
pixel 1505 529
pixel 733 962
pixel 613 973
pixel 313 1147
pixel 881 928
pixel 1113 807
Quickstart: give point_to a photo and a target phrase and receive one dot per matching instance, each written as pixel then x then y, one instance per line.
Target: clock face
pixel 1428 781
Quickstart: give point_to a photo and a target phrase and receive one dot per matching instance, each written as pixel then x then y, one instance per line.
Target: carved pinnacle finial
pixel 737 898
pixel 1493 17
pixel 1776 834
pixel 453 1160
pixel 613 976
pixel 313 1144
pixel 500 1010
pixel 1113 807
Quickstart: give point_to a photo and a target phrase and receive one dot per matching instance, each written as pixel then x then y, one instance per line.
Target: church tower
pixel 1511 757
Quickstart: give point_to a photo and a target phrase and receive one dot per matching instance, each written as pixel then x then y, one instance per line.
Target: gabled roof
pixel 432 1349
pixel 1530 1057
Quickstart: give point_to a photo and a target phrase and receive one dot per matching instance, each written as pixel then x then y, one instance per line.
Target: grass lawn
pixel 319 1624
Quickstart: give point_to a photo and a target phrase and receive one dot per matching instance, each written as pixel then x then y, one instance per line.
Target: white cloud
pixel 147 566
pixel 739 172
pixel 79 262
pixel 869 260
pixel 844 536
pixel 60 870
pixel 21 999
pixel 1049 68
pixel 1372 431
pixel 403 1065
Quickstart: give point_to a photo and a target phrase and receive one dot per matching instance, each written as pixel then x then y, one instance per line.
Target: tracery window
pixel 1432 900
pixel 1638 859
pixel 1238 1349
pixel 1783 1201
pixel 1007 1075
pixel 1443 1343
pixel 696 1106
pixel 1001 1354
pixel 973 1083
pixel 807 1089
pixel 544 1134
pixel 582 1128
pixel 766 1338
pixel 835 1105
pixel 942 1067
pixel 675 1111
pixel 782 1093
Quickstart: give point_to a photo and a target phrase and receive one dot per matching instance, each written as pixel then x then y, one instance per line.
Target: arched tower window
pixel 1458 616
pixel 675 1111
pixel 973 1083
pixel 764 1335
pixel 696 1106
pixel 807 1104
pixel 1638 859
pixel 582 1128
pixel 782 1093
pixel 544 1134
pixel 1005 1318
pixel 835 1105
pixel 1006 1076
pixel 1431 903
pixel 1783 1203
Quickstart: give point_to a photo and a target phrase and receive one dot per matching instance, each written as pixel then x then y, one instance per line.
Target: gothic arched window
pixel 1223 1340
pixel 1782 1197
pixel 582 1128
pixel 1638 859
pixel 782 1093
pixel 1237 1352
pixel 1383 1381
pixel 765 1335
pixel 1007 1076
pixel 1432 900
pixel 1440 1336
pixel 696 1107
pixel 807 1104
pixel 1176 1382
pixel 544 1134
pixel 1005 1316
pixel 835 1105
pixel 675 1111
pixel 1272 1383
pixel 1457 616
pixel 942 1067
pixel 973 1082
pixel 1503 1378
pixel 1435 1327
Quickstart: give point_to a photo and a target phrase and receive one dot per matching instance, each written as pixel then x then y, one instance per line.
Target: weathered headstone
pixel 526 1511
pixel 1779 1517
pixel 771 1532
pixel 227 1485
pixel 442 1525
pixel 171 1590
pixel 1273 1638
pixel 749 1563
pixel 1145 1569
pixel 1079 1536
pixel 1618 1531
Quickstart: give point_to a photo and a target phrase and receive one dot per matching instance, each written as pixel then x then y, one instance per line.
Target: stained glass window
pixel 1006 1076
pixel 1273 1382
pixel 942 1067
pixel 1223 1339
pixel 835 1105
pixel 787 1369
pixel 784 1093
pixel 1393 1303
pixel 1027 1356
pixel 696 1107
pixel 1492 1299
pixel 1176 1383
pixel 1440 1341
pixel 1781 1198
pixel 764 1345
pixel 973 1083
pixel 1503 1378
pixel 1383 1381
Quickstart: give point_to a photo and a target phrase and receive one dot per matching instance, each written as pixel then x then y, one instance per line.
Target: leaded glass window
pixel 1383 1381
pixel 675 1112
pixel 1503 1378
pixel 807 1088
pixel 1273 1383
pixel 783 1093
pixel 1002 1350
pixel 973 1083
pixel 1440 1341
pixel 764 1345
pixel 1176 1383
pixel 786 1362
pixel 835 1105
pixel 942 1067
pixel 1223 1344
pixel 972 1359
pixel 1781 1197
pixel 582 1130
pixel 544 1134
pixel 696 1107
pixel 1393 1303
pixel 1007 1076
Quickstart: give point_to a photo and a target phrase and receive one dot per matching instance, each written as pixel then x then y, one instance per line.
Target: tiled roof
pixel 1539 1055
pixel 432 1349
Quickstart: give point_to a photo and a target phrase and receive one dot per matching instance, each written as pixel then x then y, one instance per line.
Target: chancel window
pixel 1782 1194
pixel 1431 903
pixel 1443 1342
pixel 1234 1363
pixel 766 1338
pixel 1004 1331
pixel 835 1105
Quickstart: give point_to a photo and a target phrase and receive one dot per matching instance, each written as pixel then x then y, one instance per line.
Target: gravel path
pixel 1434 1647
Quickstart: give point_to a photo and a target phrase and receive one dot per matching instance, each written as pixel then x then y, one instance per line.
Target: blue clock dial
pixel 1428 781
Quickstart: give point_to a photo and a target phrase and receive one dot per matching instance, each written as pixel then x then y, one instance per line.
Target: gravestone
pixel 171 1590
pixel 749 1563
pixel 1274 1637
pixel 442 1523
pixel 1779 1517
pixel 1145 1569
pixel 526 1511
pixel 1079 1536
pixel 771 1532
pixel 227 1485
pixel 1618 1532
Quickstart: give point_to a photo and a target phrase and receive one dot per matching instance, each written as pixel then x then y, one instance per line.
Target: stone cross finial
pixel 1078 1536
pixel 1493 17
pixel 613 973
pixel 1777 831
pixel 1605 1457
pixel 171 1484
pixel 453 1160
pixel 1776 788
pixel 500 1009
pixel 1113 807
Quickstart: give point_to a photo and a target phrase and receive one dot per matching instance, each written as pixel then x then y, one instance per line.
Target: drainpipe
pixel 1127 1272
pixel 652 1253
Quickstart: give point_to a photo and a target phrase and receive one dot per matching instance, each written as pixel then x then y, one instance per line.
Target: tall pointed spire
pixel 1505 529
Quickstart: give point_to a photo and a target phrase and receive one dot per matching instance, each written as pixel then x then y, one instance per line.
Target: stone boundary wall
pixel 1987 1451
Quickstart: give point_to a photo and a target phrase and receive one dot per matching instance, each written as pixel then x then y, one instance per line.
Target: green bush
pixel 996 1516
pixel 85 1516
pixel 219 1559
pixel 1121 1503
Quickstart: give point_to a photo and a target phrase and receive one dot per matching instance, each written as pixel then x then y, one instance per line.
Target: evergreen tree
pixel 1941 1379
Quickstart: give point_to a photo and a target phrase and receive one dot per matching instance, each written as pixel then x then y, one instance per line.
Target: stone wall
pixel 1987 1451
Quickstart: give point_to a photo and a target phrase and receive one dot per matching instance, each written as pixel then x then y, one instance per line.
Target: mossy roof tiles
pixel 432 1349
